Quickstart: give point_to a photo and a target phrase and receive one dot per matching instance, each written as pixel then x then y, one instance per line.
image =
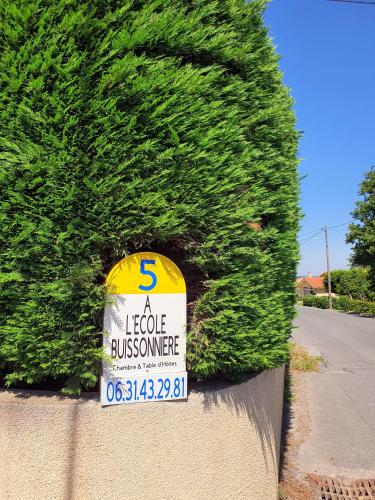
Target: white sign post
pixel 144 332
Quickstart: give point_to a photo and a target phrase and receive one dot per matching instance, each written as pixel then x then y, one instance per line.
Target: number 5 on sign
pixel 146 272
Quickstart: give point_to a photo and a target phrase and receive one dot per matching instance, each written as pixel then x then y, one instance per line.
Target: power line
pixel 311 237
pixel 339 225
pixel 307 237
pixel 353 1
pixel 339 229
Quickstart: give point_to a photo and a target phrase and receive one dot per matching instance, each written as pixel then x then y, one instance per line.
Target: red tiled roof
pixel 314 281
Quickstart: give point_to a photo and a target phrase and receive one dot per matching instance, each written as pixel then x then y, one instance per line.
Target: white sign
pixel 144 332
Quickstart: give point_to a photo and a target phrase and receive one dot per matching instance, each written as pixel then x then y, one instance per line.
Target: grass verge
pixel 300 360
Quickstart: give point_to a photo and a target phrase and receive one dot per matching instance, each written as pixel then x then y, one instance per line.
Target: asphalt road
pixel 335 411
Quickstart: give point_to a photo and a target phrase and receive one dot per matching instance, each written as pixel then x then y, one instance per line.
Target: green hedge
pixel 314 301
pixel 143 125
pixel 347 304
pixel 355 283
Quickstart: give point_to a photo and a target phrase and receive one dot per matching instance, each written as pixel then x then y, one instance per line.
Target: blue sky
pixel 328 59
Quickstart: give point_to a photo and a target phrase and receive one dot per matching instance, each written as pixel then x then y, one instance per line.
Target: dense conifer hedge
pixel 143 124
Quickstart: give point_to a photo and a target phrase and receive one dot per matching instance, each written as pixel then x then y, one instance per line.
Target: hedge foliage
pixel 361 234
pixel 363 307
pixel 138 125
pixel 355 283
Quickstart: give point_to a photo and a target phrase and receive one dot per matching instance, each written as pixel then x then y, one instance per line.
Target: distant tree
pixel 352 282
pixel 362 234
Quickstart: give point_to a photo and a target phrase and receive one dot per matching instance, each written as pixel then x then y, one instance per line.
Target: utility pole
pixel 328 269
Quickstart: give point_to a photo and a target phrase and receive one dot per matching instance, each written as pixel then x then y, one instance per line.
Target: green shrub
pixel 342 303
pixel 314 301
pixel 143 125
pixel 363 307
pixel 353 282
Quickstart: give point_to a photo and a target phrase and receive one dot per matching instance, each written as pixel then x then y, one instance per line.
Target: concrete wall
pixel 222 443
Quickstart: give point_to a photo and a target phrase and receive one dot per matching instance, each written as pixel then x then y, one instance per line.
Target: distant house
pixel 310 285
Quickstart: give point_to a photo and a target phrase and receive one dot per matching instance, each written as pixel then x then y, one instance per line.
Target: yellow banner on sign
pixel 145 273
